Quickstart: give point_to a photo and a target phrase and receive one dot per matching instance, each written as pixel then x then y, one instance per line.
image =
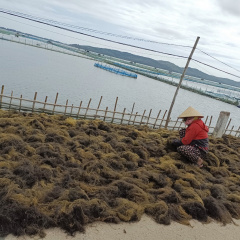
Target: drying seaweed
pixel 56 171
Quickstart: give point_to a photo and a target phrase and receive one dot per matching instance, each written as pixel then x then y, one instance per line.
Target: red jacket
pixel 196 134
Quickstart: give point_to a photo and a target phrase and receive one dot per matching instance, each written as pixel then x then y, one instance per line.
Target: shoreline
pixel 182 86
pixel 147 228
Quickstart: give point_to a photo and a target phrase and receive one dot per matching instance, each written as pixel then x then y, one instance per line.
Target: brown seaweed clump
pixel 60 172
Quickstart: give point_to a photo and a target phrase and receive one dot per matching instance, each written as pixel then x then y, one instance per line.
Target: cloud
pixel 230 6
pixel 177 22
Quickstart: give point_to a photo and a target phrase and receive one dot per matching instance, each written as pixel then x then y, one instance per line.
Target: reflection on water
pixel 26 69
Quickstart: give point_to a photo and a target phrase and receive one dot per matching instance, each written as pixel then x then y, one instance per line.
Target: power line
pixel 218 60
pixel 92 30
pixel 129 45
pixel 145 53
pixel 201 67
pixel 85 34
pixel 116 35
pixel 215 68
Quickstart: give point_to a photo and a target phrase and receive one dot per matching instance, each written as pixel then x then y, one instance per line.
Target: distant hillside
pixel 143 60
pixel 157 63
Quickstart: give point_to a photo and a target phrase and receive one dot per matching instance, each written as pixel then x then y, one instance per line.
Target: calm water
pixel 26 69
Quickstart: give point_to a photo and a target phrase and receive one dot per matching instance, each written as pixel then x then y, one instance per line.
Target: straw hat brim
pixel 190 112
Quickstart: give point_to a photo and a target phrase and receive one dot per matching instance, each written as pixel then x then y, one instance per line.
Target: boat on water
pixel 116 70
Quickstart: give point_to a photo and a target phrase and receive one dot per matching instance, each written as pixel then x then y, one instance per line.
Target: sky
pixel 216 22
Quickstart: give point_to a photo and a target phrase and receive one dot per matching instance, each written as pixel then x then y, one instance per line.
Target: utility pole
pixel 180 82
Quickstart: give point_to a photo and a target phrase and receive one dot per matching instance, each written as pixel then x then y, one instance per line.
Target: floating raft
pixel 115 70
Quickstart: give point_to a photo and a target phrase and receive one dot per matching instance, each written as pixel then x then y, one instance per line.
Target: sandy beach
pixel 146 228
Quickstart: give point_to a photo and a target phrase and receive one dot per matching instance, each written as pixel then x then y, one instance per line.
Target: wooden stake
pixel 66 107
pixel 55 103
pixel 228 125
pixel 180 82
pixel 180 125
pixel 71 110
pixel 210 122
pixel 163 119
pixel 231 130
pixel 131 113
pixel 156 119
pixel 45 103
pixel 149 116
pixel 123 115
pixel 79 109
pixel 175 124
pixel 20 103
pixel 135 118
pixel 206 120
pixel 237 131
pixel 11 100
pixel 98 107
pixel 105 114
pixel 142 116
pixel 114 109
pixel 35 97
pixel 1 96
pixel 87 107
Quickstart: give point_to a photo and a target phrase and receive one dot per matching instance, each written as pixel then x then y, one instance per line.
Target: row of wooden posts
pixel 132 118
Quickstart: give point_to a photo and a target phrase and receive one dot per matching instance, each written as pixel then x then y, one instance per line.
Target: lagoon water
pixel 26 70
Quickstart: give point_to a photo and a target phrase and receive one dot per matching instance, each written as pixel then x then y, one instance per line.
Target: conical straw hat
pixel 190 112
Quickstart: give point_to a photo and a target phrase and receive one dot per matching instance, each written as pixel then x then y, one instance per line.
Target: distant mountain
pixel 143 60
pixel 157 63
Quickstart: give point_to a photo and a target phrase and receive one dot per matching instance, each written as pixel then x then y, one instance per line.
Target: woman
pixel 193 143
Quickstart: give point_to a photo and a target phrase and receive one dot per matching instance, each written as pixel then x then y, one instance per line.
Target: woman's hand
pixel 177 142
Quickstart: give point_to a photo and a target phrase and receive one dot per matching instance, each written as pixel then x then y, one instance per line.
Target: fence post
pixel 156 119
pixel 34 100
pixel 206 120
pixel 149 116
pixel 79 109
pixel 175 124
pixel 20 103
pixel 231 130
pixel 221 124
pixel 114 109
pixel 131 113
pixel 10 104
pixel 98 107
pixel 123 115
pixel 142 117
pixel 71 111
pixel 163 119
pixel 104 119
pixel 180 82
pixel 237 131
pixel 135 118
pixel 87 108
pixel 227 126
pixel 66 107
pixel 1 96
pixel 55 103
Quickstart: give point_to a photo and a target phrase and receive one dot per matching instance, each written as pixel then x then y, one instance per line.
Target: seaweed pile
pixel 59 172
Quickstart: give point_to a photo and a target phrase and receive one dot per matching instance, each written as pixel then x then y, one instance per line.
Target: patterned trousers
pixel 192 153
